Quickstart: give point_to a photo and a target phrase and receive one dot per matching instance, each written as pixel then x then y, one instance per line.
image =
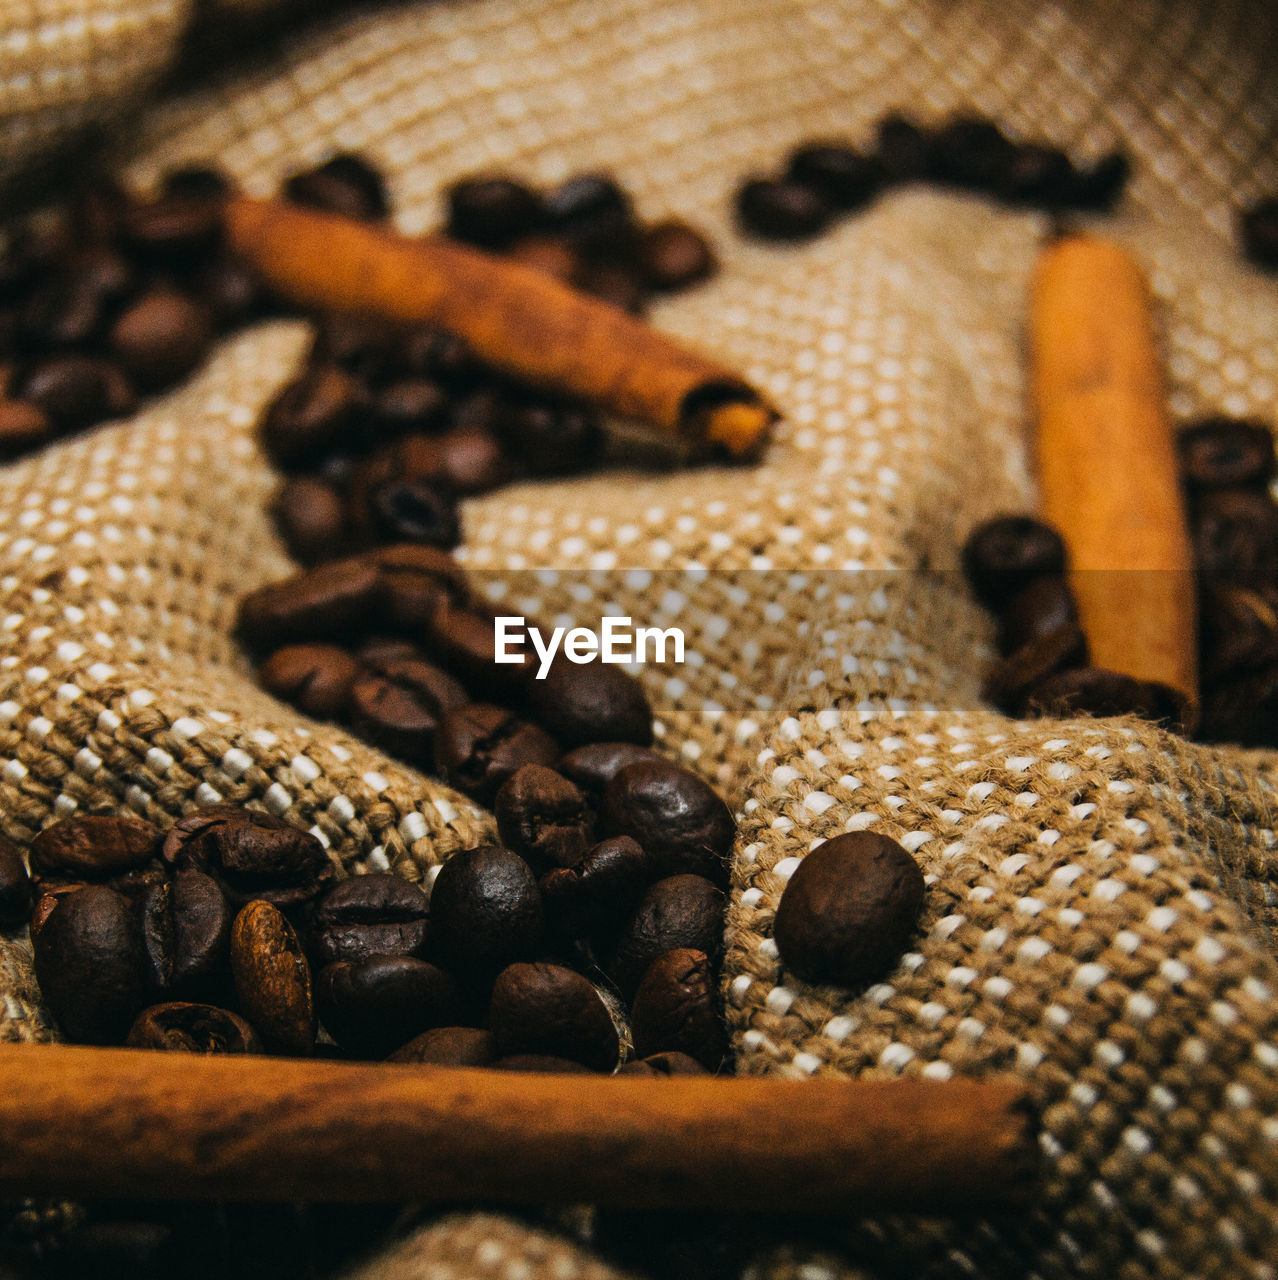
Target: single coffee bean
pixel 179 1027
pixel 197 182
pixel 675 1009
pixel 1003 555
pixel 23 428
pixel 594 766
pixel 1099 187
pixel 186 933
pixel 599 892
pixel 478 746
pixel 846 178
pixel 971 152
pixel 315 678
pixel 161 337
pixel 1238 630
pixel 419 511
pixel 463 640
pixel 673 255
pixel 681 823
pixel 272 979
pixel 399 705
pixel 593 212
pixel 662 1065
pixel 364 346
pixel 1039 176
pixel 902 149
pixel 620 286
pixel 550 255
pixel 485 912
pixel 472 460
pixel 67 310
pixel 1013 680
pixel 90 964
pixel 1236 537
pixel 232 291
pixel 543 818
pixel 346 184
pixel 328 602
pixel 308 417
pixel 366 916
pixel 76 391
pixel 1094 691
pixel 584 702
pixel 410 403
pixel 679 911
pixel 1226 453
pixel 542 1064
pixel 777 209
pixel 418 584
pixel 311 517
pixel 92 848
pixel 1043 606
pixel 849 909
pixel 547 1009
pixel 15 886
pixel 552 439
pixel 45 898
pixel 372 1007
pixel 491 211
pixel 1258 227
pixel 448 1047
pixel 174 231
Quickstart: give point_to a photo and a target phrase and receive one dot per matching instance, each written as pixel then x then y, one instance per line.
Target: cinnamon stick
pixel 119 1122
pixel 521 321
pixel 1107 463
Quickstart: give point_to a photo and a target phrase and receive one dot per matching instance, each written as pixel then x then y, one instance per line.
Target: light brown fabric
pixel 1100 916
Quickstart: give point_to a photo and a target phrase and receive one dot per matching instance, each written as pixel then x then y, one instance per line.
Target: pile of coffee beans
pixel 1016 568
pixel 1258 231
pixel 824 180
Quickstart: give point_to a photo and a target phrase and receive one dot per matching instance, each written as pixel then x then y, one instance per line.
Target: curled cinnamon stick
pixel 1107 464
pixel 521 321
pixel 117 1122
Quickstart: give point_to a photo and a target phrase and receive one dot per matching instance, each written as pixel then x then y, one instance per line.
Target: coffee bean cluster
pixel 825 180
pixel 1016 567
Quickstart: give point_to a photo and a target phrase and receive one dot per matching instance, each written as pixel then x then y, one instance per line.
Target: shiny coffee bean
pixel 597 893
pixel 584 702
pixel 419 511
pixel 902 149
pixel 309 416
pixel 197 182
pixel 399 706
pixel 479 746
pixel 552 439
pixel 673 255
pixel 1236 537
pixel 542 1064
pixel 1226 453
pixel 543 818
pixel 491 211
pixel 846 178
pixel 473 460
pixel 329 602
pixel 777 209
pixel 1039 176
pixel 485 913
pixel 23 429
pixel 1043 606
pixel 315 678
pixel 15 886
pixel 1004 554
pixel 161 337
pixel 849 909
pixel 675 1009
pixel 1258 229
pixel 448 1047
pixel 186 933
pixel 311 517
pixel 421 587
pixel 662 1065
pixel 549 1010
pixel 174 231
pixel 463 641
pixel 76 391
pixel 92 848
pixel 1093 691
pixel 90 965
pixel 372 1007
pixel 971 152
pixel 347 185
pixel 179 1027
pixel 682 824
pixel 272 979
pixel 1099 187
pixel 593 212
pixel 593 766
pixel 679 911
pixel 366 916
pixel 1014 679
pixel 46 897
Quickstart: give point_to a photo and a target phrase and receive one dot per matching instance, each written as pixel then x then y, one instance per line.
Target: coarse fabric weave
pixel 1101 911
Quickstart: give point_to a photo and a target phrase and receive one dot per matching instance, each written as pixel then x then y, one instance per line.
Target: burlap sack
pixel 1101 910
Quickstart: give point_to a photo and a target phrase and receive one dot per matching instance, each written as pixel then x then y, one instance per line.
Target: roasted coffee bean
pixel 15 886
pixel 681 823
pixel 777 209
pixel 620 287
pixel 92 848
pixel 593 212
pixel 463 641
pixel 438 353
pixel 491 211
pixel 542 1064
pixel 366 916
pixel 1004 554
pixel 583 702
pixel 372 1007
pixel 552 439
pixel 598 892
pixel 663 1065
pixel 315 678
pixel 1242 708
pixel 594 766
pixel 399 706
pixel 1013 680
pixel 272 979
pixel 366 347
pixel 485 912
pixel 1041 176
pixel 311 517
pixel 1236 537
pixel 549 1010
pixel 66 310
pixel 410 403
pixel 419 511
pixel 23 428
pixel 46 898
pixel 679 911
pixel 1238 630
pixel 232 291
pixel 1226 453
pixel 1258 227
pixel 542 817
pixel 478 746
pixel 330 601
pixel 76 391
pixel 472 460
pixel 161 337
pixel 448 1047
pixel 381 649
pixel 347 185
pixel 308 417
pixel 90 964
pixel 418 585
pixel 174 231
pixel 178 1027
pixel 1094 691
pixel 674 1009
pixel 1099 187
pixel 849 909
pixel 186 933
pixel 250 854
pixel 197 182
pixel 971 152
pixel 902 149
pixel 846 178
pixel 550 255
pixel 673 255
pixel 1043 606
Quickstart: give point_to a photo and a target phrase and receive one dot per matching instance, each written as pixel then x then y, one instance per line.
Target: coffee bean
pixel 619 286
pixel 593 212
pixel 364 346
pixel 485 913
pixel 552 439
pixel 1013 680
pixel 90 965
pixel 472 460
pixel 379 649
pixel 232 291
pixel 971 152
pixel 675 1009
pixel 463 641
pixel 548 1010
pixel 417 511
pixel 366 916
pixel 583 702
pixel 197 182
pixel 311 517
pixel 95 207
pixel 174 231
pixel 23 428
pixel 1226 453
pixel 64 311
pixel 15 886
pixel 902 149
pixel 1094 691
pixel 542 817
pixel 542 1064
pixel 776 209
pixel 478 746
pixel 440 354
pixel 372 1007
pixel 1099 187
pixel 422 588
pixel 491 211
pixel 308 417
pixel 328 602
pixel 1238 631
pixel 1004 554
pixel 47 896
pixel 679 911
pixel 186 933
pixel 272 979
pixel 673 255
pixel 849 909
pixel 411 403
pixel 178 1027
pixel 663 1065
pixel 1242 708
pixel 550 255
pixel 1039 176
pixel 92 848
pixel 161 337
pixel 841 174
pixel 1236 537
pixel 76 391
pixel 1043 606
pixel 599 892
pixel 448 1047
pixel 1258 227
pixel 594 766
pixel 346 184
pixel 399 706
pixel 681 823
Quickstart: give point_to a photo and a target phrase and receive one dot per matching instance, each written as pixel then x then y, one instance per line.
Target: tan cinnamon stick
pixel 1107 463
pixel 519 320
pixel 119 1122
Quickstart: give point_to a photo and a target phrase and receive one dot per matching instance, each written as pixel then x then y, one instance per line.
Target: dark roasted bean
pixel 448 1047
pixel 1014 679
pixel 308 417
pixel 192 1028
pixel 364 346
pixel 594 766
pixel 311 517
pixel 399 705
pixel 542 817
pixel 1040 176
pixel 372 1007
pixel 95 208
pixel 463 640
pixel 347 185
pixel 23 427
pixel 846 178
pixel 92 847
pixel 161 337
pixel 15 886
pixel 186 933
pixel 330 601
pixel 675 1009
pixel 46 897
pixel 1242 708
pixel 679 911
pixel 174 231
pixel 232 291
pixel 972 152
pixel 315 678
pixel 619 286
pixel 1238 630
pixel 366 916
pixel 197 182
pixel 1236 537
pixel 272 979
pixel 491 211
pixel 472 460
pixel 598 893
pixel 1093 691
pixel 67 310
pixel 594 213
pixel 1004 554
pixel 418 511
pixel 1226 453
pixel 549 1010
pixel 902 148
pixel 776 209
pixel 673 255
pixel 410 403
pixel 583 702
pixel 478 746
pixel 1043 606
pixel 1099 187
pixel 552 439
pixel 76 391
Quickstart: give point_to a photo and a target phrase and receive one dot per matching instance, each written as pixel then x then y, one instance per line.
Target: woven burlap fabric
pixel 1100 911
